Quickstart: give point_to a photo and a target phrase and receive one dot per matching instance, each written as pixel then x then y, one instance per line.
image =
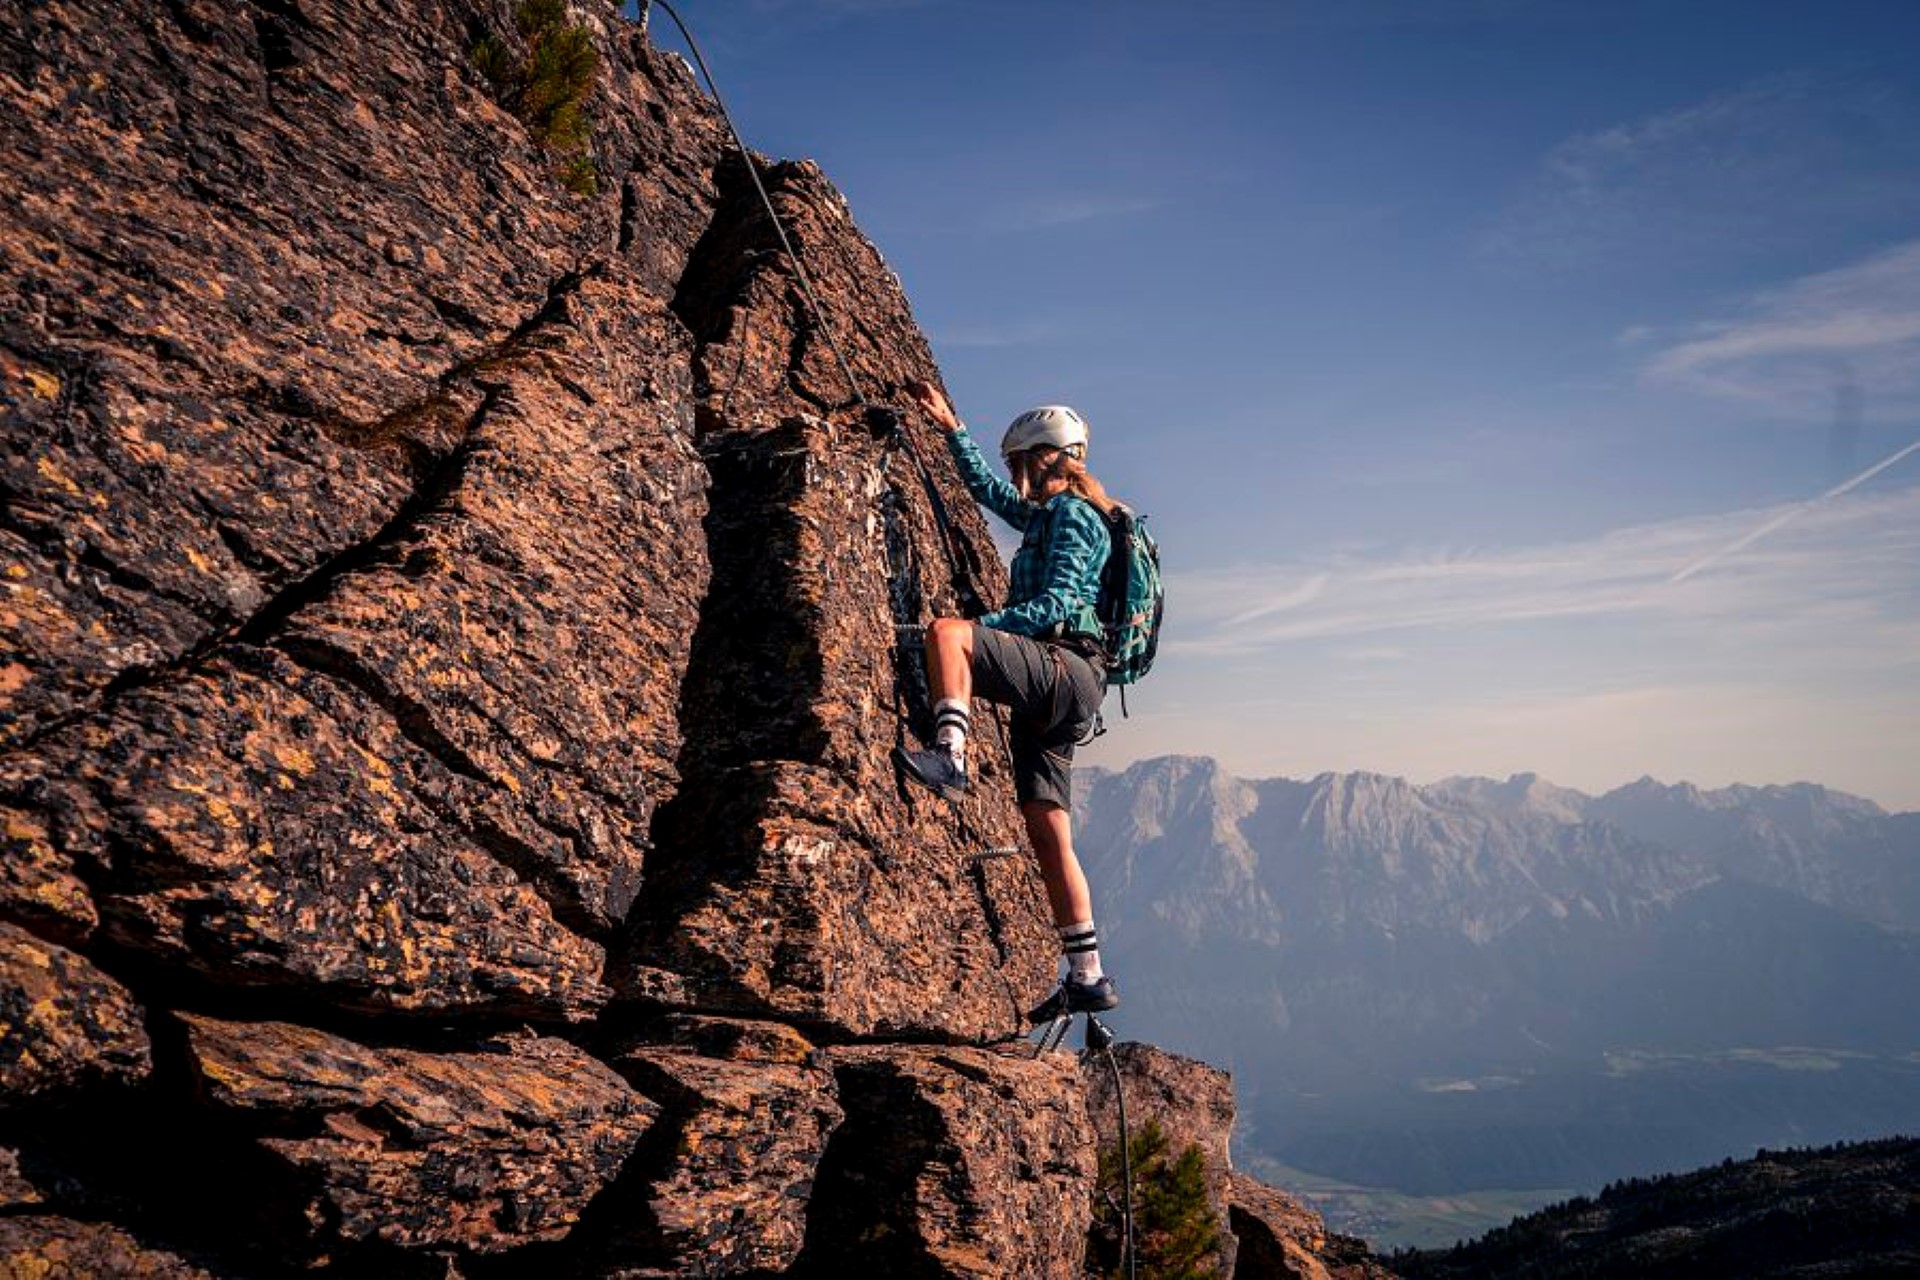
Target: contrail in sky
pixel 1791 514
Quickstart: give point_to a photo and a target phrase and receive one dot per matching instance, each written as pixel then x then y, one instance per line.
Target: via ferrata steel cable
pixel 753 171
pixel 970 600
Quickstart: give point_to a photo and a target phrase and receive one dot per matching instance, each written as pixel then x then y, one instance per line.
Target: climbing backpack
pixel 1131 597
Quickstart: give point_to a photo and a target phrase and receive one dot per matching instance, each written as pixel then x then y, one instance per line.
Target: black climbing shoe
pixel 1072 997
pixel 937 769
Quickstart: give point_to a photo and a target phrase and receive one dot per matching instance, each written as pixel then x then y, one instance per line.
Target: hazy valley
pixel 1479 987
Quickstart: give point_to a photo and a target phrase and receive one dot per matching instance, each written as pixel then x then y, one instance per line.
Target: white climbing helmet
pixel 1052 426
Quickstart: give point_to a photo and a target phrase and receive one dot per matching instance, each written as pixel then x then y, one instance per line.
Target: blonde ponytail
pixel 1081 483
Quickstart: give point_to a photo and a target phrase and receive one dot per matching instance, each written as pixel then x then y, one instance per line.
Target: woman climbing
pixel 1042 656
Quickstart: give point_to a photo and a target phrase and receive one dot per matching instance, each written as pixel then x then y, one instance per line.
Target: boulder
pixel 64 1025
pixel 1192 1103
pixel 950 1163
pixel 741 1144
pixel 484 1151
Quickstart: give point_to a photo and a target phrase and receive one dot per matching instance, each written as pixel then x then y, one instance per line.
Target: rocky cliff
pixel 449 652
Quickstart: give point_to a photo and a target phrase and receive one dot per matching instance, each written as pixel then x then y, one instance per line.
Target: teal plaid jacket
pixel 1054 585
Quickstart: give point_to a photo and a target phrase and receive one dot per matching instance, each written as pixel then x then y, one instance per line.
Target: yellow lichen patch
pixel 20 827
pixel 294 759
pixel 218 1072
pixel 17 571
pixel 377 774
pixel 223 813
pixel 197 560
pixel 374 762
pixel 47 468
pixel 63 896
pixel 44 385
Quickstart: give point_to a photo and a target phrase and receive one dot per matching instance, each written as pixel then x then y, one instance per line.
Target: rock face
pixel 481 1150
pixel 1190 1101
pixel 66 1024
pixel 452 631
pixel 1278 1236
pixel 954 1162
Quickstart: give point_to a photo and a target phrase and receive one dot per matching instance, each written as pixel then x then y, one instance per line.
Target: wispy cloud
pixel 1374 654
pixel 1856 327
pixel 1851 558
pixel 1798 658
pixel 1048 212
pixel 1306 593
pixel 1751 170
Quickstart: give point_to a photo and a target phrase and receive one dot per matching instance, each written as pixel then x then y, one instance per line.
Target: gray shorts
pixel 1054 692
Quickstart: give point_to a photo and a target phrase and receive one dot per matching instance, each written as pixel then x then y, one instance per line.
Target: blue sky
pixel 1450 345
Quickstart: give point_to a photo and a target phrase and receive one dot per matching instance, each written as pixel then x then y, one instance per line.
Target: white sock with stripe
pixel 1082 946
pixel 951 723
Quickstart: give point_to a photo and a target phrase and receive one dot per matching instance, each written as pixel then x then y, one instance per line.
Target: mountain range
pixel 1479 984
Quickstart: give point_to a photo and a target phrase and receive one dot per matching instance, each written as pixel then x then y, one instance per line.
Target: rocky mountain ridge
pixel 1479 838
pixel 451 616
pixel 1507 985
pixel 1350 851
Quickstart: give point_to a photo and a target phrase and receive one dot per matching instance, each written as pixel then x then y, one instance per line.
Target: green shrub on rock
pixel 548 86
pixel 1174 1227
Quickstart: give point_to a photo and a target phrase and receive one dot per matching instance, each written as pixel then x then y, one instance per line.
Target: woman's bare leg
pixel 1051 829
pixel 950 658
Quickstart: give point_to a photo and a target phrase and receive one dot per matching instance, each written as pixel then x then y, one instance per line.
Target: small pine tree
pixel 548 88
pixel 1174 1229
